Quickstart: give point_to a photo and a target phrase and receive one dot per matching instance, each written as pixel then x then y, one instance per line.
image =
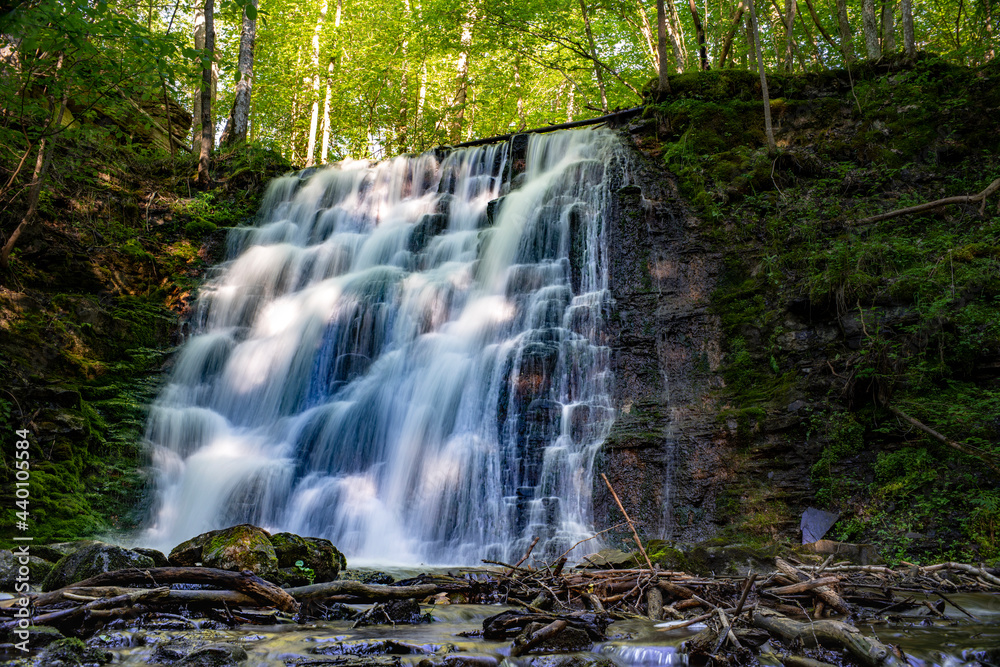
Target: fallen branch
pixel 58 617
pixel 941 438
pixel 920 208
pixel 631 525
pixel 802 587
pixel 536 638
pixel 363 592
pixel 823 592
pixel 245 582
pixel 868 651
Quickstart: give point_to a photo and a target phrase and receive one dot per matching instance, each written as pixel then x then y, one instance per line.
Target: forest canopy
pixel 361 78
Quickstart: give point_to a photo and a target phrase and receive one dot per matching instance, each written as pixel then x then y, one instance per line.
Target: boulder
pixel 368 576
pixel 315 554
pixel 215 655
pixel 92 560
pixel 159 560
pixel 237 548
pixel 10 566
pixel 393 612
pixel 72 652
pixel 53 552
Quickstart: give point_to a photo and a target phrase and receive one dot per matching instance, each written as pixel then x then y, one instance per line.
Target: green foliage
pixel 307 572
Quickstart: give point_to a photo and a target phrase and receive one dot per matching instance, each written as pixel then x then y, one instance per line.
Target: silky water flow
pixel 407 358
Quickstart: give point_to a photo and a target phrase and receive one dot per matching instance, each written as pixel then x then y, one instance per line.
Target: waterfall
pixel 406 358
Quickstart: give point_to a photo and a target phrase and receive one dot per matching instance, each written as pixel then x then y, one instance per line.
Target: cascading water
pixel 393 364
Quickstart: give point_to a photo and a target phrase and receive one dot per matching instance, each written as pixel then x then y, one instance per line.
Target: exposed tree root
pixel 929 206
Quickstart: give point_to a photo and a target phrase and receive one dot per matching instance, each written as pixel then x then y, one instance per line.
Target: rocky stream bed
pixel 210 604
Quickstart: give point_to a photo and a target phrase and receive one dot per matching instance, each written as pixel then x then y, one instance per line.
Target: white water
pixel 415 393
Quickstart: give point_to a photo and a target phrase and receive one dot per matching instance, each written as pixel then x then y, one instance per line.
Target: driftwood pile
pixel 792 604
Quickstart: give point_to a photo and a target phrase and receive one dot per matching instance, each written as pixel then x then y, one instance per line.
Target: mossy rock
pixel 54 552
pixel 10 564
pixel 315 553
pixel 159 560
pixel 368 576
pixel 91 561
pixel 72 652
pixel 188 553
pixel 242 547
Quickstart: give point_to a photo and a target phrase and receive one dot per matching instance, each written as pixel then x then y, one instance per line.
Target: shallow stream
pixel 958 642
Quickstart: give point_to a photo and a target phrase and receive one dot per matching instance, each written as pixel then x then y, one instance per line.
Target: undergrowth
pixel 856 318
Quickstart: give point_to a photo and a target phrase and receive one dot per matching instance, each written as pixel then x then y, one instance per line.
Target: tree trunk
pixel 888 27
pixel 462 77
pixel 647 34
pixel 676 33
pixel 199 45
pixel 700 33
pixel 728 43
pixel 816 52
pixel 593 54
pixel 43 160
pixel 846 34
pixel 909 41
pixel 314 117
pixel 751 44
pixel 327 98
pixel 870 27
pixel 819 25
pixel 988 28
pixel 207 130
pixel 768 130
pixel 788 18
pixel 239 115
pixel 663 82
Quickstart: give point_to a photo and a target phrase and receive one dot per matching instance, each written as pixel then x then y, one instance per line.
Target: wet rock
pixel 393 612
pixel 427 227
pixel 170 652
pixel 367 576
pixel 382 647
pixel 72 653
pixel 111 640
pixel 39 636
pixel 238 548
pixel 571 661
pixel 348 661
pixel 569 640
pixel 315 554
pixel 10 570
pixel 159 559
pixel 493 210
pixel 460 661
pixel 215 655
pixel 55 551
pixel 92 560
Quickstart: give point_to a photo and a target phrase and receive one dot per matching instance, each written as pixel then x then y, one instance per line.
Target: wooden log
pixel 962 567
pixel 823 592
pixel 675 590
pixel 536 638
pixel 800 661
pixel 802 587
pixel 245 582
pixel 654 603
pixel 361 592
pixel 867 650
pixel 64 615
